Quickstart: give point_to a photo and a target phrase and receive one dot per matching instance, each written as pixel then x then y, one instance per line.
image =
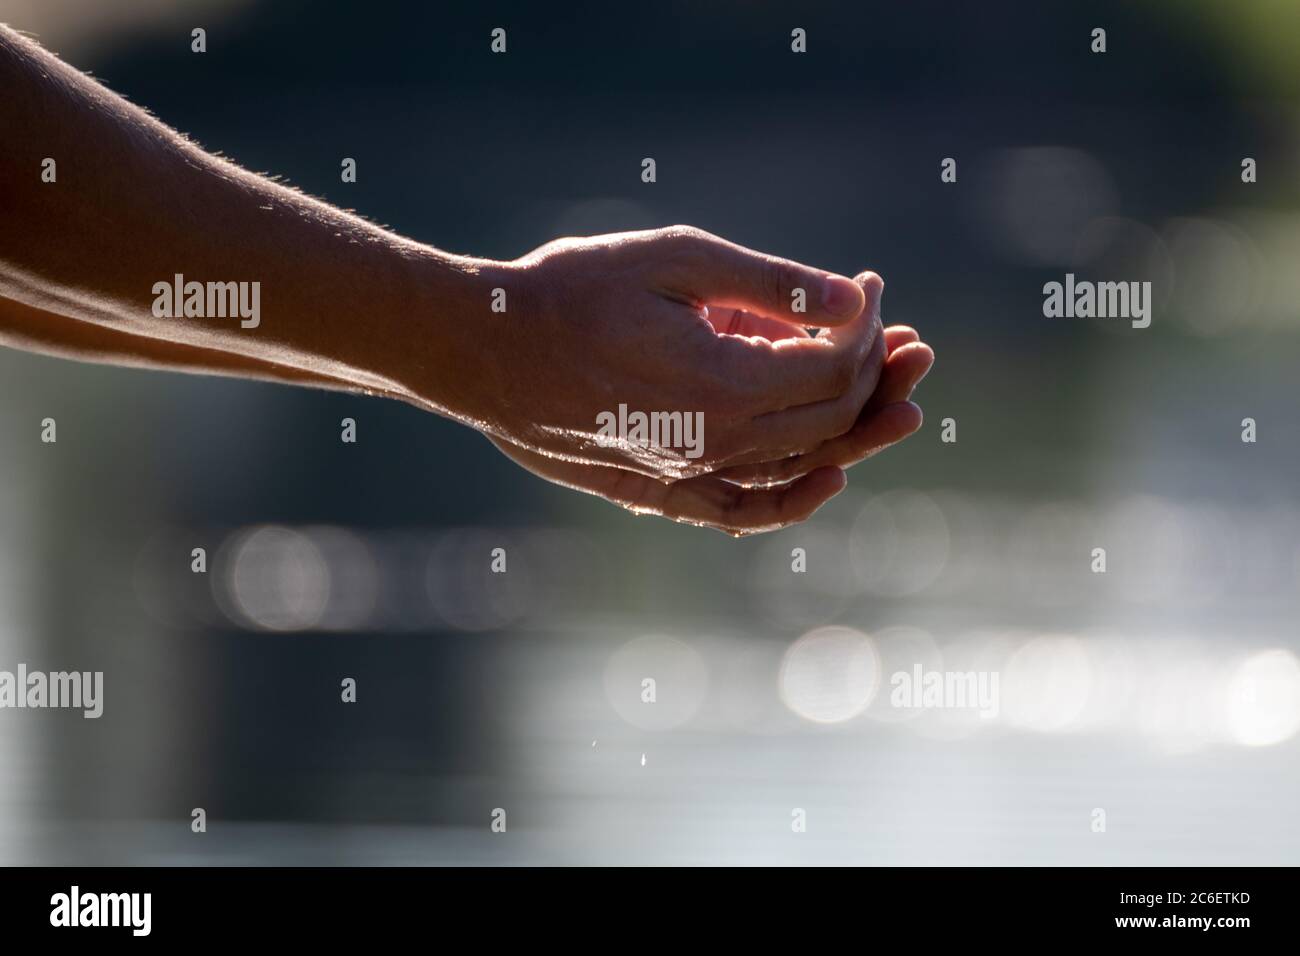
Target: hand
pixel 747 499
pixel 706 500
pixel 886 419
pixel 592 324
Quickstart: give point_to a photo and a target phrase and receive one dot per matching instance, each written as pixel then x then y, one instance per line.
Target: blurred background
pixel 1165 691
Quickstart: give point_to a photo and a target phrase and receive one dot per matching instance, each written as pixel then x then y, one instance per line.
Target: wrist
pixel 446 358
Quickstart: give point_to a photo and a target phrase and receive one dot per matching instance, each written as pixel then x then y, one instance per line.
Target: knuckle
pixel 872 284
pixel 778 283
pixel 551 249
pixel 681 236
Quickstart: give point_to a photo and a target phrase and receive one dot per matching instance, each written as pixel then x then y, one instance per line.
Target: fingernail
pixel 841 296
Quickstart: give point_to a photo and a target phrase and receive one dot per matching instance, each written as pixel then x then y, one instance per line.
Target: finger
pixel 739 322
pixel 896 335
pixel 758 376
pixel 706 270
pixel 903 371
pixel 869 435
pixel 706 500
pixel 900 375
pixel 876 431
pixel 713 503
pixel 801 429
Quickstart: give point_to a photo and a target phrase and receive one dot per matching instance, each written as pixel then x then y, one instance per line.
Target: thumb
pixel 868 324
pixel 711 271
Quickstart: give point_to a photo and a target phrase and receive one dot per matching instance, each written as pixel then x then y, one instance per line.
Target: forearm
pixel 135 205
pixel 33 330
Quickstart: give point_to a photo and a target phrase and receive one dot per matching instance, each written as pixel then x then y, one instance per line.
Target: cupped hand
pixel 887 418
pixel 765 496
pixel 630 320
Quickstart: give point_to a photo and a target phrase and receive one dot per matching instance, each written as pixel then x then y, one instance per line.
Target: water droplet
pixel 643 760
